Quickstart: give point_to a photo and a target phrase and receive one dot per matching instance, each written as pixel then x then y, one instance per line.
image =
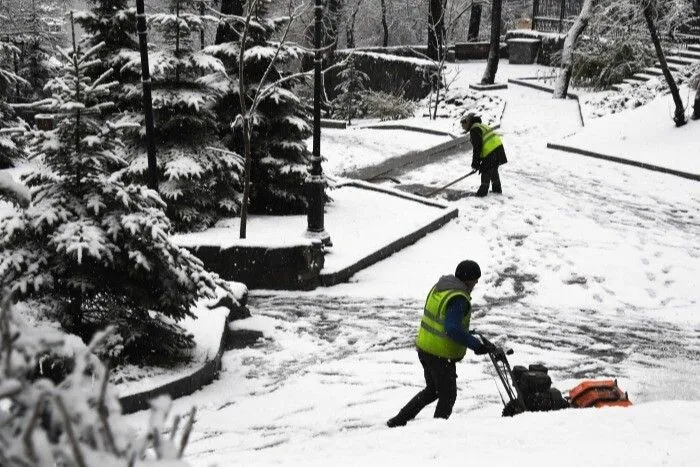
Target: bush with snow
pixel 278 117
pixel 199 180
pixel 10 125
pixel 76 419
pixel 93 248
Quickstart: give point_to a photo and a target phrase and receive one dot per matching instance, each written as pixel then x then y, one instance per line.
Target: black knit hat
pixel 468 270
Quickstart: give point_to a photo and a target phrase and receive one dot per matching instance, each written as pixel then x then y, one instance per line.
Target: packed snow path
pixel 589 267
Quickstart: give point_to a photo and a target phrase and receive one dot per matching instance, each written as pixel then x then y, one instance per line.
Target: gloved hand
pixel 475 165
pixel 488 347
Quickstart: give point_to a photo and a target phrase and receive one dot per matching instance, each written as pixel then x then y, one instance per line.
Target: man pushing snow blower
pixel 443 339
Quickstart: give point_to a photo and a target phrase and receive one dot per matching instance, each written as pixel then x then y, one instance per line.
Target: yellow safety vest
pixel 490 140
pixel 431 333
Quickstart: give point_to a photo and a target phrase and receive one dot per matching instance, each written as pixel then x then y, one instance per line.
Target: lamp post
pixel 315 189
pixel 147 100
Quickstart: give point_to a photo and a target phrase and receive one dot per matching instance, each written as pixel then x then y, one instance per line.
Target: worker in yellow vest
pixel 488 153
pixel 443 339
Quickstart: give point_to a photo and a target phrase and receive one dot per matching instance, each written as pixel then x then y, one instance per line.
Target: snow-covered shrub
pixel 600 63
pixel 459 102
pixel 75 420
pixel 10 126
pixel 198 179
pixel 112 22
pixel 385 106
pixel 348 104
pixel 279 118
pixel 92 247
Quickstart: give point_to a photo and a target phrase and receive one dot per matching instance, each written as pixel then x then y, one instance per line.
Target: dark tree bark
pixel 561 88
pixel 350 27
pixel 679 114
pixel 696 103
pixel 474 23
pixel 224 32
pixel 494 50
pixel 385 25
pixel 436 29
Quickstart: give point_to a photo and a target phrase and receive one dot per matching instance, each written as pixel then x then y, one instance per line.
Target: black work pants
pixel 440 384
pixel 489 177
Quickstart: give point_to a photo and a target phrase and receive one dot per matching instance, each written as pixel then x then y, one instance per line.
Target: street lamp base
pixel 322 235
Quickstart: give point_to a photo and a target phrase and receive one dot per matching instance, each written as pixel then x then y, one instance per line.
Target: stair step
pixel 695 55
pixel 620 86
pixel 694 47
pixel 674 66
pixel 681 61
pixel 643 76
pixel 630 81
pixel 652 70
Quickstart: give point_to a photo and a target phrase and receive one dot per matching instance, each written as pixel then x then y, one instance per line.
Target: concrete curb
pixel 525 82
pixel 417 129
pixel 180 387
pixel 413 157
pixel 343 275
pixel 644 165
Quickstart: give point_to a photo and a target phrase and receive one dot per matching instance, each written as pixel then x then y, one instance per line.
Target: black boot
pixel 396 421
pixel 497 189
pixel 482 191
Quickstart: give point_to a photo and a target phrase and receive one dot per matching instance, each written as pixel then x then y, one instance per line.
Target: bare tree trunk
pixel 494 51
pixel 474 23
pixel 696 103
pixel 679 114
pixel 385 26
pixel 567 55
pixel 436 29
pixel 350 27
pixel 226 33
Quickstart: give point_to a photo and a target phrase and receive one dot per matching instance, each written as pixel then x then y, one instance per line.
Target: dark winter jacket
pixel 457 308
pixel 496 158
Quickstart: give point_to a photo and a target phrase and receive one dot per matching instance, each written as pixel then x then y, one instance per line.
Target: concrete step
pixel 688 53
pixel 620 86
pixel 652 70
pixel 630 81
pixel 671 66
pixel 643 76
pixel 694 47
pixel 681 61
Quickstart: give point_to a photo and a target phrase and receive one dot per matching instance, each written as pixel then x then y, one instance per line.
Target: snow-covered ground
pixel 590 267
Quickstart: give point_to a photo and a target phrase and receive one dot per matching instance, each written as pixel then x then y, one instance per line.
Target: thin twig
pixel 103 412
pixel 77 453
pixel 186 433
pixel 29 429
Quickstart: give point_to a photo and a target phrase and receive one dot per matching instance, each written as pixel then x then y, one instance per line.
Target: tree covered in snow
pixel 270 115
pixel 114 23
pixel 75 420
pixel 35 27
pixel 94 248
pixel 353 83
pixel 199 180
pixel 10 125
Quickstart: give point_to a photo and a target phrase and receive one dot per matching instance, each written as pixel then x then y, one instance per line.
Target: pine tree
pixel 353 83
pixel 200 180
pixel 279 167
pixel 94 248
pixel 10 151
pixel 114 23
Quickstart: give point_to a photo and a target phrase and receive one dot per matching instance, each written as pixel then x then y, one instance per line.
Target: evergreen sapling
pixel 199 178
pixel 93 248
pixel 353 83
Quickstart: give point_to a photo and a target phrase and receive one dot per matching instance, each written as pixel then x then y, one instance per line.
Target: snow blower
pixel 530 389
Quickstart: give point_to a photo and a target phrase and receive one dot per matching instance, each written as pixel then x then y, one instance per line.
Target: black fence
pixel 554 15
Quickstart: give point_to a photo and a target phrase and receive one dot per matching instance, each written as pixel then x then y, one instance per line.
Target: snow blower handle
pixel 495 350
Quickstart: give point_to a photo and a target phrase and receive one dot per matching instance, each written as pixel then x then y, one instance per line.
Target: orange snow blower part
pixel 598 393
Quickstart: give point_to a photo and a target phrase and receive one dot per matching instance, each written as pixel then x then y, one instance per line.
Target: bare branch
pixel 68 425
pixel 186 432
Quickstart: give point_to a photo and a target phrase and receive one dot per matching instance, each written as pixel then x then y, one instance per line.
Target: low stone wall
pixel 294 267
pixel 477 50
